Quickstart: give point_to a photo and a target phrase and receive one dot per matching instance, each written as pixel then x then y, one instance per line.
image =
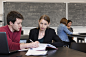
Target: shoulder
pixel 71 28
pixel 3 28
pixel 62 25
pixel 34 29
pixel 50 29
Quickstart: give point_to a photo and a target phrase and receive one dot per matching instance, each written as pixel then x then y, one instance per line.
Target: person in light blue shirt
pixel 63 31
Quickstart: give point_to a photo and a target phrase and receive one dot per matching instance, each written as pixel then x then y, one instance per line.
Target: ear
pixel 10 23
pixel 38 21
pixel 48 24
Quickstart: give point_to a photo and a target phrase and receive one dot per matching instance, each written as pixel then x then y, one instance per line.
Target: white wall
pixel 1 6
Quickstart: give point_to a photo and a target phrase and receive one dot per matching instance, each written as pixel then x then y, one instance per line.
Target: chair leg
pixel 77 41
pixel 81 41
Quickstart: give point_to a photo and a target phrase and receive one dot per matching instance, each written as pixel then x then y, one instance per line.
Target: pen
pixel 30 40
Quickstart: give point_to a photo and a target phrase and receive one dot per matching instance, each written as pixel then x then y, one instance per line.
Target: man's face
pixel 17 24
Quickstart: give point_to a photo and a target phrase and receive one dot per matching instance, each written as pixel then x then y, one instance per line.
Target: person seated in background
pixel 69 23
pixel 62 31
pixel 13 32
pixel 44 34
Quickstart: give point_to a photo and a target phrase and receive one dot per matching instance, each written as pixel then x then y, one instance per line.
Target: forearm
pixel 13 45
pixel 24 45
pixel 29 45
pixel 57 44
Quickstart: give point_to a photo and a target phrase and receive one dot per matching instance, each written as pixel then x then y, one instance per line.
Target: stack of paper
pixel 23 50
pixel 43 46
pixel 49 45
pixel 34 52
pixel 39 50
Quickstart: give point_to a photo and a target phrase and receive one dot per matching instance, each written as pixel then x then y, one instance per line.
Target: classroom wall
pixel 65 1
pixel 77 29
pixel 49 0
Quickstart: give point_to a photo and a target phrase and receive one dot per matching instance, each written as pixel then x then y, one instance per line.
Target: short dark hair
pixel 45 17
pixel 69 21
pixel 11 16
pixel 64 21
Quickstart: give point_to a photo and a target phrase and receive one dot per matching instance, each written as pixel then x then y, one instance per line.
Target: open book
pixel 41 50
pixel 43 46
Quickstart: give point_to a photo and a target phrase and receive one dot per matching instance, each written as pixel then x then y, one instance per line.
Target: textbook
pixel 43 46
pixel 41 50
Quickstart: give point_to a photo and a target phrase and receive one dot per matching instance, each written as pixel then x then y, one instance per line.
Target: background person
pixel 62 31
pixel 69 23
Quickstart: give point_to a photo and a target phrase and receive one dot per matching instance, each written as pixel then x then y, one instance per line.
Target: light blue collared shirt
pixel 62 32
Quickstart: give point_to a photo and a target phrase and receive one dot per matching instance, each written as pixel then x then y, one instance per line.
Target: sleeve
pixel 66 30
pixel 30 37
pixel 12 45
pixel 57 41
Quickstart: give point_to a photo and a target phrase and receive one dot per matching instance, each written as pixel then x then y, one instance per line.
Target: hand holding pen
pixel 29 45
pixel 34 44
pixel 30 40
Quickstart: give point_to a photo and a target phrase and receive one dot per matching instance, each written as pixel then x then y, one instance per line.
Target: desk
pixel 61 52
pixel 79 36
pixel 76 35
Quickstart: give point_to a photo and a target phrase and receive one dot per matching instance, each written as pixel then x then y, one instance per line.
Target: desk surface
pixel 75 35
pixel 61 52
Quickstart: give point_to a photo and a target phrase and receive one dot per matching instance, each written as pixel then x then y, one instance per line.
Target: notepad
pixel 23 50
pixel 43 46
pixel 41 50
pixel 34 52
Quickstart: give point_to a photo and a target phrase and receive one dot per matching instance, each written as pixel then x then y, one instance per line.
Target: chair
pixel 24 38
pixel 80 38
pixel 79 46
pixel 22 32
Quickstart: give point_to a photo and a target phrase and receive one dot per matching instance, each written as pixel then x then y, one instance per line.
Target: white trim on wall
pixel 67 11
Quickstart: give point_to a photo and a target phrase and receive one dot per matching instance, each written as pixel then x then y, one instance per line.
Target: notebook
pixel 34 52
pixel 43 46
pixel 41 50
pixel 4 49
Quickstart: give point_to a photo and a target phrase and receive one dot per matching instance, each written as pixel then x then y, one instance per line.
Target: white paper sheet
pixel 23 50
pixel 43 46
pixel 39 50
pixel 34 52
